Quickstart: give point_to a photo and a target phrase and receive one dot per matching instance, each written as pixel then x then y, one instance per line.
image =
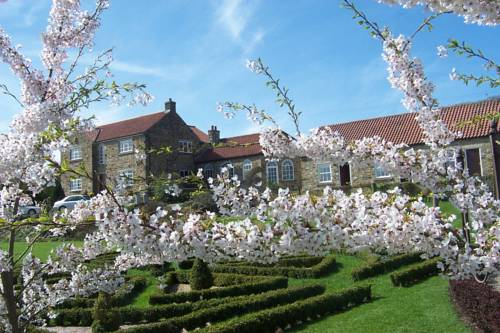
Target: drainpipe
pixel 494 137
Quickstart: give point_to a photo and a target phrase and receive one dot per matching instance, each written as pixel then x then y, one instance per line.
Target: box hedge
pixel 298 261
pixel 375 268
pixel 228 310
pixel 265 284
pixel 416 273
pixel 78 311
pixel 220 279
pixel 270 320
pixel 325 266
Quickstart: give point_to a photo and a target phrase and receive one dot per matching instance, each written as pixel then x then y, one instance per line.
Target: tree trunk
pixel 8 285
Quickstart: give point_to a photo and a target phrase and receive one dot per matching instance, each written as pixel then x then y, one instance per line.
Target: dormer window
pixel 75 153
pixel 126 146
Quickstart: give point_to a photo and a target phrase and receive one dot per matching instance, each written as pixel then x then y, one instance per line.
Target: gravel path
pixel 60 329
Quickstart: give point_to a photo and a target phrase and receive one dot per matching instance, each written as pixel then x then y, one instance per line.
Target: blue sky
pixel 195 53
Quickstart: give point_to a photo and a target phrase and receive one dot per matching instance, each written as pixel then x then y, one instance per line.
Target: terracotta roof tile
pixel 232 147
pixel 128 127
pixel 202 136
pixel 403 128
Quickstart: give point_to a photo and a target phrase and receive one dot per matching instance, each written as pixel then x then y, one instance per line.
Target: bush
pixel 325 266
pixel 105 318
pixel 186 264
pixel 201 277
pixel 299 261
pixel 478 302
pixel 263 285
pixel 158 269
pixel 374 268
pixel 228 310
pixel 219 279
pixel 280 317
pixel 415 273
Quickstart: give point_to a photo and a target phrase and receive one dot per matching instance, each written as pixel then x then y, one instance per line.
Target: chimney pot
pixel 170 106
pixel 213 135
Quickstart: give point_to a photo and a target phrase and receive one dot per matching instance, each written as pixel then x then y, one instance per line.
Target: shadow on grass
pixel 296 328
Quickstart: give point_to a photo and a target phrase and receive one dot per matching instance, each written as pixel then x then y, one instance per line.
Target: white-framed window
pixel 127 176
pixel 75 153
pixel 247 167
pixel 75 184
pixel 101 154
pixel 229 167
pixel 452 159
pixel 185 146
pixel 208 171
pixel 272 172
pixel 287 170
pixel 324 173
pixel 381 171
pixel 126 146
pixel 473 161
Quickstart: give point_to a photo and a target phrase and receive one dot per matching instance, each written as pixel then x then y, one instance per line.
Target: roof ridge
pixel 239 136
pixel 489 100
pixel 128 119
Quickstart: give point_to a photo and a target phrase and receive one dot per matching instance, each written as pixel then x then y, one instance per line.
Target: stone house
pixel 243 156
pixel 124 149
pixel 477 144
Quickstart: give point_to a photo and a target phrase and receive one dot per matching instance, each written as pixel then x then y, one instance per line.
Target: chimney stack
pixel 213 135
pixel 169 106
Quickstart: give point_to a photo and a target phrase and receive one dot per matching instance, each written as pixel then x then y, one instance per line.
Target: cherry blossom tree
pixel 49 101
pixel 265 226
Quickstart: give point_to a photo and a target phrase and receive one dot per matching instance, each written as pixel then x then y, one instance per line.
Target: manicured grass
pixel 142 300
pixel 425 307
pixel 40 250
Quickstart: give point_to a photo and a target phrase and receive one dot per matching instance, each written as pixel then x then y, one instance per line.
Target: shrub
pixel 299 261
pixel 325 266
pixel 201 277
pixel 478 302
pixel 186 264
pixel 105 319
pixel 415 273
pixel 380 267
pixel 237 290
pixel 219 279
pixel 271 319
pixel 228 310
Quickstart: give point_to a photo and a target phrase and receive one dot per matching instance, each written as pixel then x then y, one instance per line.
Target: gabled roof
pixel 232 147
pixel 403 128
pixel 128 127
pixel 202 136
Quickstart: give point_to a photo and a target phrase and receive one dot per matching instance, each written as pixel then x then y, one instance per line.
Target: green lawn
pixel 424 307
pixel 40 250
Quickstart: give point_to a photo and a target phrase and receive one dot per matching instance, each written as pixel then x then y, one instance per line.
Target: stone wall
pixel 364 177
pixel 116 163
pixel 167 132
pixel 258 172
pixel 85 164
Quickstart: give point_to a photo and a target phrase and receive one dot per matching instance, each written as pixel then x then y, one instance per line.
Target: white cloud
pixel 235 17
pixel 28 11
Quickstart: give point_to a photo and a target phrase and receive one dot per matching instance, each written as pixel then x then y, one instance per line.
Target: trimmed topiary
pixel 105 320
pixel 201 276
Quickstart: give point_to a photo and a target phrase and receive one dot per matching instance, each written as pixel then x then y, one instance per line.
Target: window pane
pixel 324 173
pixel 287 170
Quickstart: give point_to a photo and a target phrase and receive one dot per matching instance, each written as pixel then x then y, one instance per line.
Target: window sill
pixel 125 153
pixel 76 160
pixel 384 177
pixel 325 182
pixel 75 190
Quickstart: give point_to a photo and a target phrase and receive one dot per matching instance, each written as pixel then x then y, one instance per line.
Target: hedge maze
pixel 234 296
